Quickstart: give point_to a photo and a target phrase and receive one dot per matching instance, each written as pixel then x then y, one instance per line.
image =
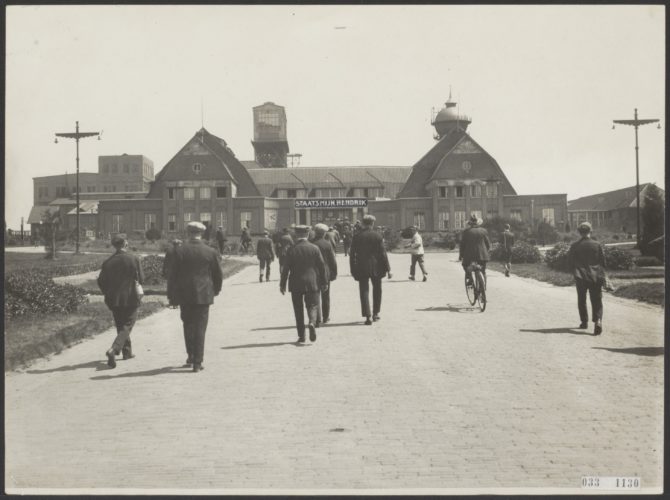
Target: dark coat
pixel 264 249
pixel 117 280
pixel 328 255
pixel 586 259
pixel 304 268
pixel 220 235
pixel 331 238
pixel 475 245
pixel 196 276
pixel 285 242
pixel 367 255
pixel 507 239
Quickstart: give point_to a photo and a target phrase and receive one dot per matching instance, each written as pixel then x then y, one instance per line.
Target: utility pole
pixel 76 135
pixel 637 122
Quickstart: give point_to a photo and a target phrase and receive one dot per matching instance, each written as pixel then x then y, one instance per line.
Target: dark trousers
pixel 364 288
pixel 324 305
pixel 263 263
pixel 124 319
pixel 412 267
pixel 347 245
pixel 311 302
pixel 466 264
pixel 195 318
pixel 220 243
pixel 596 296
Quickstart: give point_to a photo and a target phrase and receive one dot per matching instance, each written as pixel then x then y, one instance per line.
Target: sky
pixel 542 85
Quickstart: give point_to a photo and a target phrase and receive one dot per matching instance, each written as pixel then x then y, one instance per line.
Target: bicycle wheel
pixel 470 292
pixel 481 285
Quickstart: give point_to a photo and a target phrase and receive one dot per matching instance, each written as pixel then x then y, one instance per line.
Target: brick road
pixel 436 395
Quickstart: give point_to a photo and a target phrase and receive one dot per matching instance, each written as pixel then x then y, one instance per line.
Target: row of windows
pixel 331 193
pixel 204 193
pixel 461 217
pixel 475 191
pixel 126 168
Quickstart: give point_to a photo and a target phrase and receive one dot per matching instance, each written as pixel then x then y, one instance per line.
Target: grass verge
pixel 540 272
pixel 64 265
pixel 651 293
pixel 35 336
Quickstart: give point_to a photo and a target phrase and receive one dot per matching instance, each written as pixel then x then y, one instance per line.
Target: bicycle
pixel 476 290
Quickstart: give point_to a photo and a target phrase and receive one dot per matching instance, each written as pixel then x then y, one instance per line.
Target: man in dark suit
pixel 265 255
pixel 507 242
pixel 368 262
pixel 117 282
pixel 220 239
pixel 195 279
pixel 285 242
pixel 586 259
pixel 328 255
pixel 305 272
pixel 474 247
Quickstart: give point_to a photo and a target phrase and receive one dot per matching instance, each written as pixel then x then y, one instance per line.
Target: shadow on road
pixel 98 365
pixel 638 351
pixel 292 327
pixel 572 331
pixel 351 323
pixel 267 344
pixel 147 373
pixel 450 308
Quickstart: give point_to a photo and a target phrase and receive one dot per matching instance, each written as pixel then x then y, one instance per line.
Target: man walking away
pixel 507 244
pixel 368 262
pixel 285 243
pixel 245 240
pixel 265 255
pixel 347 235
pixel 416 246
pixel 586 258
pixel 195 279
pixel 328 255
pixel 220 239
pixel 117 281
pixel 305 272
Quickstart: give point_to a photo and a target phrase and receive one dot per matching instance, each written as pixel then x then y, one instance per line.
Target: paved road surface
pixel 436 395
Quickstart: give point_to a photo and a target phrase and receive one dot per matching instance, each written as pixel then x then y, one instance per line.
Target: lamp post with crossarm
pixel 636 122
pixel 76 135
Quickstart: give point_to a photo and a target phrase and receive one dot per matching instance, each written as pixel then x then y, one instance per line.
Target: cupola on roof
pixel 448 119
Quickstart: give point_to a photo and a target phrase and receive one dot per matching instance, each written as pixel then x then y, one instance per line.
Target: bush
pixel 496 225
pixel 522 253
pixel 616 258
pixel 557 257
pixel 646 261
pixel 546 233
pixel 35 291
pixel 153 234
pixel 152 265
pixel 392 239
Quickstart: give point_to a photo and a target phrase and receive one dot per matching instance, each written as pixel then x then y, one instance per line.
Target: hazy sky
pixel 541 83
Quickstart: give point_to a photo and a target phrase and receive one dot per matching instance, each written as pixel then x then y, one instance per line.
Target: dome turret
pixel 448 119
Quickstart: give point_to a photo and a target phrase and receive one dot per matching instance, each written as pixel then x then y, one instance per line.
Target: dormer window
pixel 466 165
pixel 197 167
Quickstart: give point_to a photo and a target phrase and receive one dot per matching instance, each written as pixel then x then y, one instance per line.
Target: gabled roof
pixel 610 200
pixel 224 161
pixel 37 212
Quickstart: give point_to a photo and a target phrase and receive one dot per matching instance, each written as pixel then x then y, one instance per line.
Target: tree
pixel 653 217
pixel 51 221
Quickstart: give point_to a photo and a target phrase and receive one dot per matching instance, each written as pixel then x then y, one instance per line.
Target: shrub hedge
pixel 35 291
pixel 152 265
pixel 522 253
pixel 557 257
pixel 615 258
pixel 646 261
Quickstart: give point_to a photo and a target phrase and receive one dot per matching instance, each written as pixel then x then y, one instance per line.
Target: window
pixel 459 220
pixel 329 193
pixel 206 217
pixel 117 223
pixel 492 190
pixel 420 220
pixel 443 218
pixel 515 214
pixel 269 118
pixel 189 193
pixel 466 166
pixel 205 193
pixel 475 191
pixel 459 191
pixel 126 168
pixel 113 169
pixel 188 216
pixel 221 192
pixel 197 168
pixel 149 221
pixel 443 191
pixel 291 193
pixel 491 212
pixel 136 169
pixel 172 222
pixel 104 169
pixel 222 219
pixel 245 219
pixel 90 189
pixel 43 192
pixel 548 216
pixel 171 193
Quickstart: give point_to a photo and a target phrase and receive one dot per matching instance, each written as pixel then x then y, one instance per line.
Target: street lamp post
pixel 636 122
pixel 76 135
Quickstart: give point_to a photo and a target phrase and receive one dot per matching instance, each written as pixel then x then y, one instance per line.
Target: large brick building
pixel 205 181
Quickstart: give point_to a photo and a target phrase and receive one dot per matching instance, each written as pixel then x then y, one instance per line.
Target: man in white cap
pixel 305 272
pixel 195 278
pixel 474 247
pixel 586 259
pixel 369 262
pixel 328 254
pixel 265 255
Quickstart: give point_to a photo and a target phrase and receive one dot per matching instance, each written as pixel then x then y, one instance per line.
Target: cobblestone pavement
pixel 435 395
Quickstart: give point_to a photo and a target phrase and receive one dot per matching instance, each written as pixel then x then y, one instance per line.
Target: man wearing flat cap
pixel 284 243
pixel 328 254
pixel 265 255
pixel 305 272
pixel 195 279
pixel 586 259
pixel 117 279
pixel 369 263
pixel 474 247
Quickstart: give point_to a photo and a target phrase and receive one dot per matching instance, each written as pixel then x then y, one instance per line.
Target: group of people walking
pixel 307 269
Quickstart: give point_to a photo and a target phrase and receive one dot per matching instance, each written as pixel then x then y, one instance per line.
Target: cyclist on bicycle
pixel 245 239
pixel 474 247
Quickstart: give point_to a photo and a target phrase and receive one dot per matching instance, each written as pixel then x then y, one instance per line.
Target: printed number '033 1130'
pixel 611 483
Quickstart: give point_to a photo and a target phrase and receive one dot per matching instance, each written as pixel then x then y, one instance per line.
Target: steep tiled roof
pixel 611 200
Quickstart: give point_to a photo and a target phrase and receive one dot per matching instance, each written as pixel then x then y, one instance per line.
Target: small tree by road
pixel 50 222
